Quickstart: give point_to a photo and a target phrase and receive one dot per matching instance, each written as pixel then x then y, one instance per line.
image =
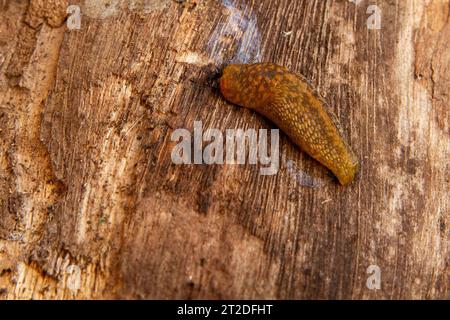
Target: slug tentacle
pixel 295 107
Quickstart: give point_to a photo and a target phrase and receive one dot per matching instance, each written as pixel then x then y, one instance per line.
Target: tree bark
pixel 92 206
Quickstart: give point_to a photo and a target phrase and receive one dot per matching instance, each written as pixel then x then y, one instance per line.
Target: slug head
pixel 232 83
pixel 251 85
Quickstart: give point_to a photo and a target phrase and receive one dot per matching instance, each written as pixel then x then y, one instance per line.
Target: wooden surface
pixel 91 205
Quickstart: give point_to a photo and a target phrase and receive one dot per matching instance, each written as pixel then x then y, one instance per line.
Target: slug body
pixel 294 106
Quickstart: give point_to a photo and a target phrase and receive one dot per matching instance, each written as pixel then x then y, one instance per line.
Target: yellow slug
pixel 295 107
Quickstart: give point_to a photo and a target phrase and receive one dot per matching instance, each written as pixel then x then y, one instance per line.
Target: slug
pixel 290 102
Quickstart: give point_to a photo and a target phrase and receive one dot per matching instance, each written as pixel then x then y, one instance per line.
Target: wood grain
pixel 87 180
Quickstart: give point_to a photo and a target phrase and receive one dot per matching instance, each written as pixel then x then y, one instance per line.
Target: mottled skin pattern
pixel 294 106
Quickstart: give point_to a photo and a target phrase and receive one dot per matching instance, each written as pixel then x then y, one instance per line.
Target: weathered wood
pixel 88 190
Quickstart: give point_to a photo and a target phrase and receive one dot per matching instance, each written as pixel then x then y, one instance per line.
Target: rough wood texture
pixel 88 190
